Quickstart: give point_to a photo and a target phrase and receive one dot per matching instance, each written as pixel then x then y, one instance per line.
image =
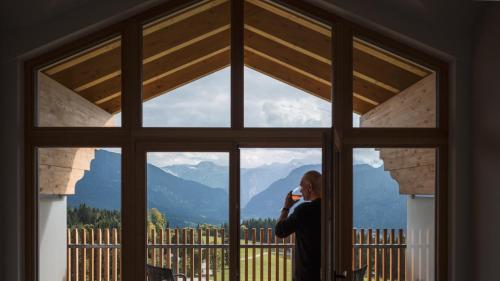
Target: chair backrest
pixel 359 274
pixel 155 273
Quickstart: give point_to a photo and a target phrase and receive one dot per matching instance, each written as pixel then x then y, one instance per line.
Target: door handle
pixel 342 275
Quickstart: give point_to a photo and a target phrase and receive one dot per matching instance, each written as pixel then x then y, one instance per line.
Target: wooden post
pixel 115 255
pixel 277 262
pixel 184 260
pixel 254 256
pixel 76 257
pixel 106 255
pixel 360 249
pixel 269 240
pixel 261 254
pixel 245 236
pixel 207 254
pixel 215 254
pixel 153 242
pixel 68 255
pixel 293 252
pixel 384 242
pixel 368 255
pixel 391 256
pixel 191 240
pixel 176 251
pixel 376 252
pixel 284 257
pixel 167 241
pixel 223 267
pixel 92 256
pixel 200 260
pixel 83 270
pixel 353 262
pixel 99 255
pixel 162 250
pixel 400 237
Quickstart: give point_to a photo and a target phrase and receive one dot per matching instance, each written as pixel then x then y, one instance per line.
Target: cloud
pixel 367 156
pixel 161 159
pixel 255 157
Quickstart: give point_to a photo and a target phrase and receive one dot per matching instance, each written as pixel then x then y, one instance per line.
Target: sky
pixel 267 103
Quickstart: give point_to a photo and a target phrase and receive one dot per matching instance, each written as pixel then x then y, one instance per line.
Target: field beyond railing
pixel 203 254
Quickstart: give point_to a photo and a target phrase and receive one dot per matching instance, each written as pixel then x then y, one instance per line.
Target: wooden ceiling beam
pixel 288 57
pixel 176 79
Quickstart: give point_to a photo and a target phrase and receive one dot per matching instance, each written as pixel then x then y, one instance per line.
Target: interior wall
pixel 444 28
pixel 486 165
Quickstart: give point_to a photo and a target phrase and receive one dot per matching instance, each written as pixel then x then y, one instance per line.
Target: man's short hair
pixel 314 178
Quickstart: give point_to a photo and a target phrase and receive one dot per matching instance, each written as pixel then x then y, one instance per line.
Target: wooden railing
pixel 202 254
pixel 382 251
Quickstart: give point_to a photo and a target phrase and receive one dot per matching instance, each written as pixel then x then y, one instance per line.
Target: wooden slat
pixel 161 241
pixel 83 263
pixel 68 255
pixel 353 254
pixel 245 238
pixel 277 258
pixel 216 237
pixel 76 256
pixel 287 75
pixel 384 242
pixel 184 254
pixel 285 250
pixel 207 253
pixel 223 266
pixel 92 256
pixel 261 239
pixel 291 57
pixel 361 106
pixel 400 242
pixel 200 261
pixel 254 256
pixel 99 256
pixel 167 241
pixel 106 255
pixel 369 254
pixel 292 32
pixel 269 241
pixel 391 256
pixel 382 71
pixel 191 254
pixel 176 251
pixel 153 250
pixel 360 250
pixel 114 257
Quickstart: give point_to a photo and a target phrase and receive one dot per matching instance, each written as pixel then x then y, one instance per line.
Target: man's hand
pixel 289 202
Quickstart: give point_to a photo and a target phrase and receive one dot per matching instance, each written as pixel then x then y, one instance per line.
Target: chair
pixel 155 273
pixel 359 274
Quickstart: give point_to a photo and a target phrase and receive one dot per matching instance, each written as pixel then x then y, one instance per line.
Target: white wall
pixel 52 237
pixel 444 27
pixel 420 240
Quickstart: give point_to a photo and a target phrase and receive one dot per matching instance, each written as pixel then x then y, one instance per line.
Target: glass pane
pixel 79 213
pixel 188 213
pixel 287 68
pixel 186 68
pixel 83 90
pixel 394 212
pixel 391 91
pixel 267 175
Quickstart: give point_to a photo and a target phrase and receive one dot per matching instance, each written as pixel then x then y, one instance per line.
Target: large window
pixel 168 141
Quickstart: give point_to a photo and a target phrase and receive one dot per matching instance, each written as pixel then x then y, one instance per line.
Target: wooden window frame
pixel 338 141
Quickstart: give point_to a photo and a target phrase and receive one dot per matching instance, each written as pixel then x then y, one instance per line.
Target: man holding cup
pixel 305 222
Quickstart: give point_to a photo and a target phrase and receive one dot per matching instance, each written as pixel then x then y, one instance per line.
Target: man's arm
pixel 286 225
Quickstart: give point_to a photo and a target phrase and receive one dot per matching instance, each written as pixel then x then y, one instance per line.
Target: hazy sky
pixel 268 103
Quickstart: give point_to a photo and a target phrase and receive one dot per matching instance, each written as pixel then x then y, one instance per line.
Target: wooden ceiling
pixel 195 42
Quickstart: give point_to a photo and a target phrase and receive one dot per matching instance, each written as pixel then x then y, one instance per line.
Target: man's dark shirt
pixel 305 221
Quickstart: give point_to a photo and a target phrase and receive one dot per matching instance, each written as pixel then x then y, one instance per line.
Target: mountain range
pixel 192 194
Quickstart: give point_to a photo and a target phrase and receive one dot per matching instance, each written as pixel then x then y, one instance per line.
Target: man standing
pixel 305 222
